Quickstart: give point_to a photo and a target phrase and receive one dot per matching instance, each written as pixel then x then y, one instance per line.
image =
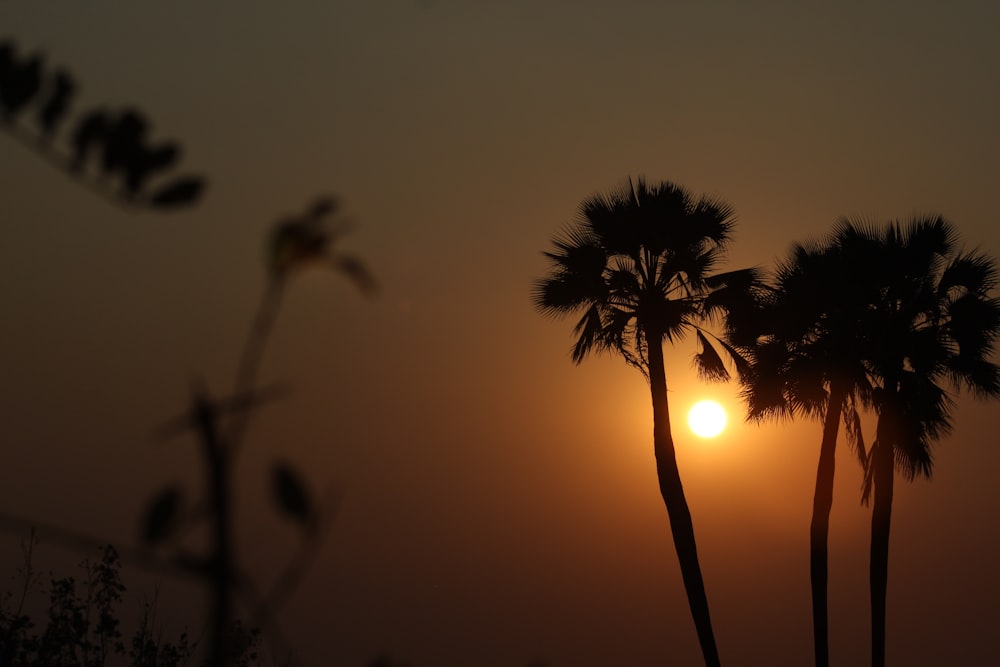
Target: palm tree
pixel 934 323
pixel 638 263
pixel 806 359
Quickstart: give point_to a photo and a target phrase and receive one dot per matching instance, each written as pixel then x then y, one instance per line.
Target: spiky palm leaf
pixel 932 320
pixel 639 259
pixel 802 335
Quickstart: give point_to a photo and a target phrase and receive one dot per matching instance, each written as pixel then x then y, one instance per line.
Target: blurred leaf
pixel 282 248
pixel 60 91
pixel 90 134
pixel 290 493
pixel 355 269
pixel 20 80
pixel 179 193
pixel 295 242
pixel 322 207
pixel 161 515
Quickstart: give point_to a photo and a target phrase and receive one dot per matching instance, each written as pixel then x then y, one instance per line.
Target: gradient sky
pixel 500 504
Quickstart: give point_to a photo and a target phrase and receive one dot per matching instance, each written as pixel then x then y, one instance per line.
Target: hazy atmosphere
pixel 499 504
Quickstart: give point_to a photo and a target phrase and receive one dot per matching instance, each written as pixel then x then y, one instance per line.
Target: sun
pixel 707 419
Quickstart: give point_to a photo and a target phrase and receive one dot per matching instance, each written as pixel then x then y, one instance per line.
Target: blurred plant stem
pixel 252 355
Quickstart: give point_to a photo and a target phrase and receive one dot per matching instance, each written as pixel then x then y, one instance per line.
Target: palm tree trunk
pixel 681 526
pixel 884 477
pixel 820 527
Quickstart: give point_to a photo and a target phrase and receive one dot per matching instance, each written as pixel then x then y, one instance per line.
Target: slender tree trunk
pixel 681 525
pixel 820 528
pixel 884 477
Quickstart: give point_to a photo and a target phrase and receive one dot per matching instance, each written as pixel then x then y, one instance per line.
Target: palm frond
pixel 635 261
pixel 558 296
pixel 715 218
pixel 915 462
pixel 632 346
pixel 855 231
pixel 623 282
pixel 577 254
pixel 923 417
pixel 607 219
pixel 976 374
pixel 708 362
pixel 766 402
pixel 737 291
pixel 691 268
pixel 618 332
pixel 763 382
pixel 741 360
pixel 805 386
pixel 972 272
pixel 973 323
pixel 588 331
pixel 928 234
pixel 852 426
pixel 868 482
pixel 357 271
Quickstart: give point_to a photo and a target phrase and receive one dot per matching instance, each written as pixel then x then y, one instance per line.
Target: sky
pixel 499 504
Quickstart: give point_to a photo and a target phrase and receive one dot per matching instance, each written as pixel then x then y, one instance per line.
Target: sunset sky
pixel 499 503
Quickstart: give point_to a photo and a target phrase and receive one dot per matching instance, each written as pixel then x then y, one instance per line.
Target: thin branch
pixel 48 152
pixel 252 355
pixel 297 566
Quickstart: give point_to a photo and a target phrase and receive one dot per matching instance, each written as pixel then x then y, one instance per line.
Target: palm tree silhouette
pixel 874 318
pixel 637 262
pixel 808 357
pixel 932 328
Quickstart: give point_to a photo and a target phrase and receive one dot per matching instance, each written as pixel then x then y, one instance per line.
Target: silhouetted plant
pixel 148 648
pixel 638 263
pixel 808 357
pixel 109 150
pixel 82 626
pixel 64 641
pixel 14 623
pixel 116 147
pixel 932 327
pixel 220 428
pixel 878 316
pixel 113 148
pixel 104 591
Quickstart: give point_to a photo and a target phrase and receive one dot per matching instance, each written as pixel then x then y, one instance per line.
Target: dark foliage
pixel 82 626
pixel 111 151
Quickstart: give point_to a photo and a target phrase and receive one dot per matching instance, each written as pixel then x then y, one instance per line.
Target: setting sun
pixel 707 419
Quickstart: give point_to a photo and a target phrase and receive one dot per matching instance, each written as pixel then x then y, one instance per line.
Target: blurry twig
pixel 286 583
